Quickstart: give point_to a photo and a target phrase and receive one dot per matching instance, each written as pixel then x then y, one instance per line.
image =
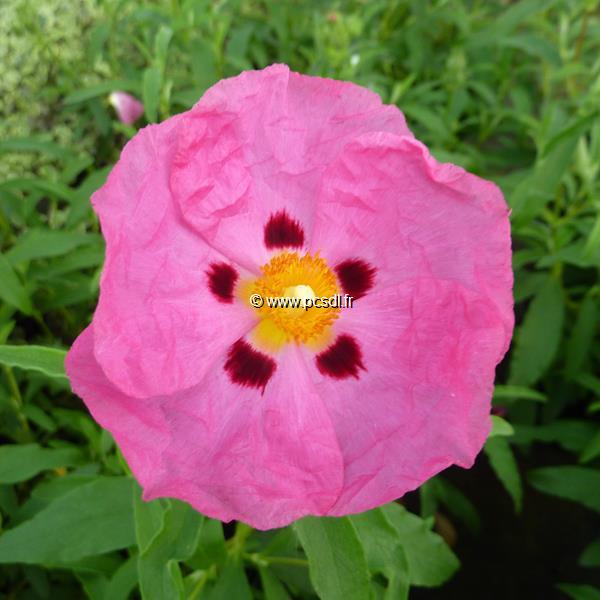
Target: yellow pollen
pixel 290 275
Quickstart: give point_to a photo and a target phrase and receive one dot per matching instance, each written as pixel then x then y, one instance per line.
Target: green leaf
pixel 579 484
pixel 507 21
pixel 430 561
pixel 21 462
pixel 590 557
pixel 161 47
pixel 504 465
pixel 117 587
pixel 539 336
pixel 164 540
pixel 151 93
pixel 232 584
pixel 211 548
pixel 11 290
pixel 44 243
pixel 204 65
pixel 534 192
pixel 517 392
pixel 93 519
pixel 534 45
pixel 500 427
pixel 571 434
pixel 50 361
pixel 53 189
pixel 582 336
pixel 149 520
pixel 49 490
pixel 457 503
pixel 592 449
pixel 32 144
pixel 592 244
pixel 337 564
pixel 384 551
pixel 590 382
pixel 579 591
pixel 272 587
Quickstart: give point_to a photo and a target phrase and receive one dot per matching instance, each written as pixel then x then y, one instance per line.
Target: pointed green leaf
pixel 21 462
pixel 50 361
pixel 93 519
pixel 337 564
pixel 579 484
pixel 384 551
pixel 272 587
pixel 232 584
pixel 164 539
pixel 151 92
pixel 517 392
pixel 578 591
pixel 504 465
pixel 500 427
pixel 430 561
pixel 582 336
pixel 539 336
pixel 590 557
pixel 45 243
pixel 12 291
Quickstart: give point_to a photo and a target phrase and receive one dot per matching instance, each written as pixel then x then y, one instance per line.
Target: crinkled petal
pixel 257 144
pixel 157 323
pixel 434 325
pixel 386 200
pixel 231 452
pixel 422 403
pixel 138 425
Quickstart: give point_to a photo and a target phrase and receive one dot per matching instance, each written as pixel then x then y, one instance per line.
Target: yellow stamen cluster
pixel 294 276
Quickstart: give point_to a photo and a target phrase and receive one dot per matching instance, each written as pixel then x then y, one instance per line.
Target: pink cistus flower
pixel 128 108
pixel 280 184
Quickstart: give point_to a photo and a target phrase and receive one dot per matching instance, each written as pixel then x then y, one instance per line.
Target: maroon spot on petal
pixel 249 367
pixel 342 359
pixel 221 281
pixel 356 276
pixel 281 231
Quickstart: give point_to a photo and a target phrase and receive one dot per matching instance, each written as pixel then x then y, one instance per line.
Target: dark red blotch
pixel 249 367
pixel 282 231
pixel 342 359
pixel 221 281
pixel 356 276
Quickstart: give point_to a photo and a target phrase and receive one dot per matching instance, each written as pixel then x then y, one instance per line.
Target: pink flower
pixel 128 108
pixel 282 184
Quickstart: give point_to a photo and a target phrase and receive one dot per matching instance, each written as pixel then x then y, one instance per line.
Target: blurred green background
pixel 508 90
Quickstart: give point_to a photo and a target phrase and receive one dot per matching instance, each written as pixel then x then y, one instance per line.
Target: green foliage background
pixel 508 90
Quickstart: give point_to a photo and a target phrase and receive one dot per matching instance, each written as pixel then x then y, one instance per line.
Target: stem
pixel 16 400
pixel 582 34
pixel 261 560
pixel 238 541
pixel 208 574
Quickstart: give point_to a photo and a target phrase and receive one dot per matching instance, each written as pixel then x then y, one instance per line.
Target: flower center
pixel 289 275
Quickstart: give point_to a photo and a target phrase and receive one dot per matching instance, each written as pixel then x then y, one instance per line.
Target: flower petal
pixel 257 144
pixel 387 201
pixel 139 427
pixel 435 323
pixel 422 402
pixel 229 451
pixel 157 319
